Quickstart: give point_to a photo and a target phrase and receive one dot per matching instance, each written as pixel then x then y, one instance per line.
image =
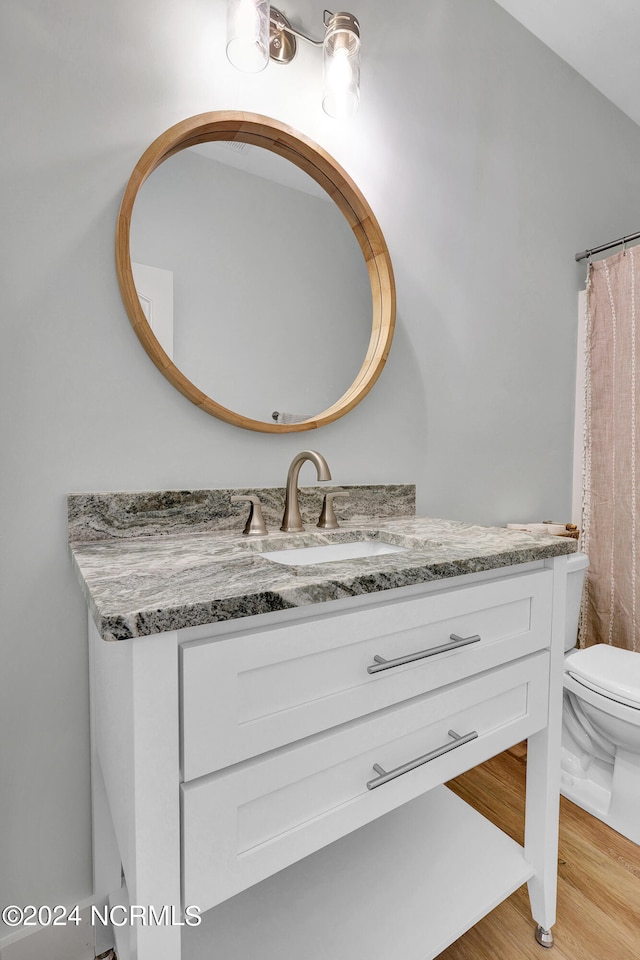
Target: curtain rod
pixel 607 246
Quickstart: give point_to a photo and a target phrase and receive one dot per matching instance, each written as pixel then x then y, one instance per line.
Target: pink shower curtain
pixel 611 512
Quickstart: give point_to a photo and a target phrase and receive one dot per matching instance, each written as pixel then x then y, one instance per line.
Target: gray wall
pixel 488 163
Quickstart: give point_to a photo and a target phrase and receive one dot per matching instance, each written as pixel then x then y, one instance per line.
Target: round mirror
pixel 269 265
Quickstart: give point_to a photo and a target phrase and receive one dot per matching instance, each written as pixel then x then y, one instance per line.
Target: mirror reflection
pixel 271 295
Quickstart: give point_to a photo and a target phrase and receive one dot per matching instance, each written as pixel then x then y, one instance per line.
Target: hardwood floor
pixel 598 879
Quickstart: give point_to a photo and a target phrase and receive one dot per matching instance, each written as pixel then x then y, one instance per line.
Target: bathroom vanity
pixel 270 741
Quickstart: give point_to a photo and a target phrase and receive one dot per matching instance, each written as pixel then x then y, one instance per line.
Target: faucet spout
pixel 292 519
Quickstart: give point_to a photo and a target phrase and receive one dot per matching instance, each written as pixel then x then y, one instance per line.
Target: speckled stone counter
pixel 149 563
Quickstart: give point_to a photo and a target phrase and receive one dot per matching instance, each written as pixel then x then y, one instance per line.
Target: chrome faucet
pixel 292 520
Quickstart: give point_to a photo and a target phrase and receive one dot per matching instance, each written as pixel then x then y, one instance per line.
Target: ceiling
pixel 598 38
pixel 260 162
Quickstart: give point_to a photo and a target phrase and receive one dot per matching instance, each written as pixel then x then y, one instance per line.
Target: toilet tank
pixel 577 563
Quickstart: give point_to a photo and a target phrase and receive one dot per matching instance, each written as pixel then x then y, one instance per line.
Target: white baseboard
pixel 68 942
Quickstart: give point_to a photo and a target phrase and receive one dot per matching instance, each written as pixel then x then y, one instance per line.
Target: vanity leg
pixel 543 781
pixel 107 867
pixel 541 831
pixel 135 710
pixel 155 880
pixel 544 937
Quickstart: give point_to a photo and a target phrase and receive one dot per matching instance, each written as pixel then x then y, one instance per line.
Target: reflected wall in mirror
pixel 283 287
pixel 272 301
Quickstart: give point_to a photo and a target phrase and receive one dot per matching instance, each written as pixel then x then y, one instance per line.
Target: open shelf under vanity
pixel 414 880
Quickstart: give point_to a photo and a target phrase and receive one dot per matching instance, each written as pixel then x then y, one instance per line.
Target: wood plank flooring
pixel 598 879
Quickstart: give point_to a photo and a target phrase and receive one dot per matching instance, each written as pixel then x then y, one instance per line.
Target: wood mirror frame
pixel 304 153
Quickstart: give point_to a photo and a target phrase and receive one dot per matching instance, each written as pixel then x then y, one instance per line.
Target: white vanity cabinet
pixel 286 770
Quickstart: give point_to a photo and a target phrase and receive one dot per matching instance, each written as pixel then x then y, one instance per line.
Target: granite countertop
pixel 175 574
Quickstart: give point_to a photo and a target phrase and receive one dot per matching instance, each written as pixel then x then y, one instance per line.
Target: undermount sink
pixel 329 552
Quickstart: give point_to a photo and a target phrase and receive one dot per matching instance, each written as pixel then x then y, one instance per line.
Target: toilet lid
pixel 608 670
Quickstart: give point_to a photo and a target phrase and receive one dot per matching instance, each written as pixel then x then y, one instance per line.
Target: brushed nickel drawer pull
pixel 456 641
pixel 385 776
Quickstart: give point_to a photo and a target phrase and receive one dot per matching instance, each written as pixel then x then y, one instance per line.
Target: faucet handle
pixel 255 525
pixel 327 519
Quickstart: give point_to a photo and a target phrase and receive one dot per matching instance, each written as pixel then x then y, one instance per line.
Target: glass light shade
pixel 341 56
pixel 248 34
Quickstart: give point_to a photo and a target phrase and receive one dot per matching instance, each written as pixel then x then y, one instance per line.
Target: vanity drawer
pixel 242 824
pixel 258 690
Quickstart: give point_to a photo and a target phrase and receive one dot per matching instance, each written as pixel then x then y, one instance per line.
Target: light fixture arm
pixel 281 23
pixel 303 36
pixel 282 37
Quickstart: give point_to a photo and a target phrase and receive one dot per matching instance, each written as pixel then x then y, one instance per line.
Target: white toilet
pixel 601 722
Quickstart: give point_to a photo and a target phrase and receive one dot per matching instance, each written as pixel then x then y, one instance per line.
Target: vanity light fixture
pixel 258 32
